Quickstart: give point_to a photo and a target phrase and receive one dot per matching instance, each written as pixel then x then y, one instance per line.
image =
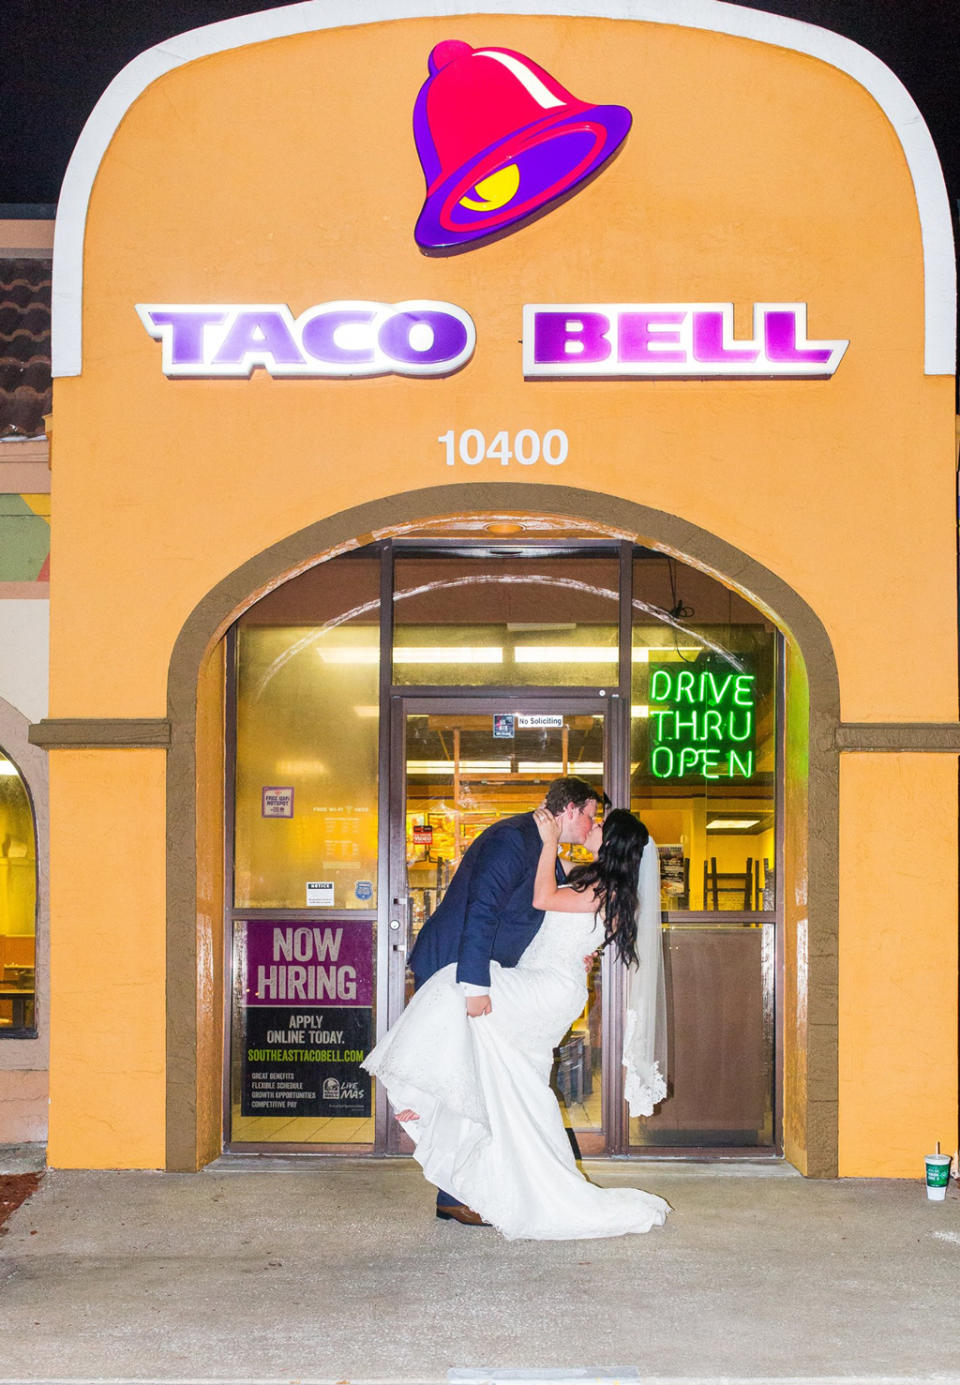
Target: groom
pixel 487 913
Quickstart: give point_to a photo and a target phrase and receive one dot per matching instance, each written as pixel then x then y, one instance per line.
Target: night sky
pixel 59 55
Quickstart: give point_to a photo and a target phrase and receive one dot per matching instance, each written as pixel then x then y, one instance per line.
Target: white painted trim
pixel 314 15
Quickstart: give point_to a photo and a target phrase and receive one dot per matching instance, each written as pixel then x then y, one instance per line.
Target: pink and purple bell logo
pixel 501 141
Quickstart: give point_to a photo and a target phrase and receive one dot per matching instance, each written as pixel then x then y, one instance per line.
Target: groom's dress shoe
pixel 462 1214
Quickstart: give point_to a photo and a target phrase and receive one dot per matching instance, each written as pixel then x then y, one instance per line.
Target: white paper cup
pixel 938 1176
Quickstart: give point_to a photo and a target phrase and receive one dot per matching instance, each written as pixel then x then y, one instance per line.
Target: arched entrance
pixel 809 1049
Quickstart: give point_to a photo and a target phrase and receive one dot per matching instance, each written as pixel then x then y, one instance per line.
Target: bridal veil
pixel 645 1033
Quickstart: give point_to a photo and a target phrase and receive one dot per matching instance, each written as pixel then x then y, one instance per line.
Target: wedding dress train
pixel 490 1130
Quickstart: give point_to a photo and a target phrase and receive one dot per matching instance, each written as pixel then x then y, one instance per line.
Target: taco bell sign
pixel 340 339
pixel 660 340
pixel 356 338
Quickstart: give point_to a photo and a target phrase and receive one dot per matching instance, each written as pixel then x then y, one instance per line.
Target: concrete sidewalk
pixel 338 1271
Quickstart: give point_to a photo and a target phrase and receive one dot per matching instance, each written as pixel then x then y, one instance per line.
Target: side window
pixel 18 905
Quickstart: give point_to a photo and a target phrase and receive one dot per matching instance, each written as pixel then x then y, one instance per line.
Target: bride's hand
pixel 548 826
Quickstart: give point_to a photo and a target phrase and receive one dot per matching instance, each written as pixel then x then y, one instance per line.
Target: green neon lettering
pixel 743 692
pixel 685 724
pixel 745 767
pixel 719 694
pixel 747 728
pixel 702 715
pixel 660 679
pixel 712 725
pixel 658 717
pixel 684 685
pixel 663 750
pixel 708 762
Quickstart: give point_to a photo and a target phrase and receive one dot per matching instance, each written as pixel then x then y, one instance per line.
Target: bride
pixel 473 1093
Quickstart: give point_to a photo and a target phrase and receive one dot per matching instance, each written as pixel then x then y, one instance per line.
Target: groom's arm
pixel 501 867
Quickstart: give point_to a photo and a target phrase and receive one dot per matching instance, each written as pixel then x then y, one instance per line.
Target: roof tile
pixel 25 388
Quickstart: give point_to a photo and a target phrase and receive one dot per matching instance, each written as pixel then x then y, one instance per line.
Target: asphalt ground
pixel 337 1271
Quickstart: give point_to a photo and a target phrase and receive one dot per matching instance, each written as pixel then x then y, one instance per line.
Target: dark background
pixel 59 55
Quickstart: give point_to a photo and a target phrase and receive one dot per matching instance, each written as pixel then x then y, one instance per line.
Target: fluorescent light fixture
pixel 415 654
pixel 447 654
pixel 525 627
pixel 367 712
pixel 642 653
pixel 731 824
pixel 444 768
pixel 566 654
pixel 494 654
pixel 591 653
pixel 358 654
pixel 546 767
pixel 292 769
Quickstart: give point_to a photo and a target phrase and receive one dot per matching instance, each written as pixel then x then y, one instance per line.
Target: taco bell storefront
pixel 625 449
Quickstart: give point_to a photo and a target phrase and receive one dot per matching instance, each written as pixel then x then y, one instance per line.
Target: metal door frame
pixel 391 957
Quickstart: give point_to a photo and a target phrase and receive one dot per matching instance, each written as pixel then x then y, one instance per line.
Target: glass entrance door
pixel 461 764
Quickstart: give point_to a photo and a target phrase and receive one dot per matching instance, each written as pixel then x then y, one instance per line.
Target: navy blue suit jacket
pixel 487 913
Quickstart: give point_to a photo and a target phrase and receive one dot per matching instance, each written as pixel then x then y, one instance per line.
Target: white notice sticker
pixel 541 720
pixel 276 802
pixel 320 894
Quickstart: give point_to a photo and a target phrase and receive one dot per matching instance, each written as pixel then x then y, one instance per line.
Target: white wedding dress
pixel 490 1131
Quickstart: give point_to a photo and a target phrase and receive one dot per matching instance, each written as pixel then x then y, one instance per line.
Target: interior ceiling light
pixel 731 824
pixel 447 654
pixel 565 654
pixel 351 654
pixel 642 652
pixel 415 654
pixel 525 626
pixel 504 529
pixel 444 768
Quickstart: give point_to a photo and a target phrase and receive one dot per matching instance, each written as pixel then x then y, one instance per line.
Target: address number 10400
pixel 525 447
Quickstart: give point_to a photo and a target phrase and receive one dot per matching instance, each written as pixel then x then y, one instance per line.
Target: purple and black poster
pixel 306 1015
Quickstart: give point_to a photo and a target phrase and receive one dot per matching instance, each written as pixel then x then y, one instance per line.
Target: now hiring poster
pixel 306 1016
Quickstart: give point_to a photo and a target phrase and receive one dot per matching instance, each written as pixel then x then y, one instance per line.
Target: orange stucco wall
pixel 898 962
pixel 107 953
pixel 285 172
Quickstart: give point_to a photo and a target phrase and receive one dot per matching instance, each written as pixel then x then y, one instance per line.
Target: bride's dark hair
pixel 614 876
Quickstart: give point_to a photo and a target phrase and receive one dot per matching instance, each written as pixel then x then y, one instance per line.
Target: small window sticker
pixel 319 894
pixel 276 802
